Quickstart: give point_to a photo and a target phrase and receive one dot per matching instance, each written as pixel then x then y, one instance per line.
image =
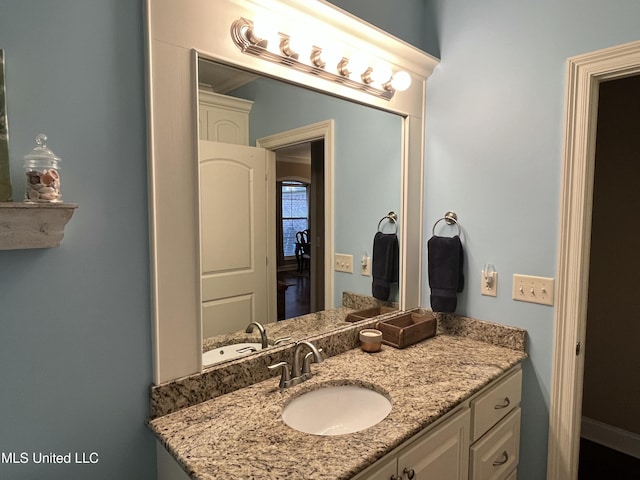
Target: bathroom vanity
pixel 455 411
pixel 490 421
pixel 226 421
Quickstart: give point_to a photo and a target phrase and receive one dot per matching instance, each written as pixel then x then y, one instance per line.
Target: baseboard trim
pixel 610 436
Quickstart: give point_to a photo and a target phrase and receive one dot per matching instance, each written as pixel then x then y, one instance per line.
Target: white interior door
pixel 234 237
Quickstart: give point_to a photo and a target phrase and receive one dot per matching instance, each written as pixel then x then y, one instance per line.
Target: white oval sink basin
pixel 229 352
pixel 336 410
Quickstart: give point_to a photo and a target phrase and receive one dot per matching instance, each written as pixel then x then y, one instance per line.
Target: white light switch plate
pixel 527 288
pixel 343 263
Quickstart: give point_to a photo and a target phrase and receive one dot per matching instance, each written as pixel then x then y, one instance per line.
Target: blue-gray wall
pixel 75 344
pixel 412 21
pixel 494 150
pixel 75 328
pixel 494 153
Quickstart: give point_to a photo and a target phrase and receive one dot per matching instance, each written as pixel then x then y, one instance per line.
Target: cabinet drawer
pixel 496 455
pixel 490 407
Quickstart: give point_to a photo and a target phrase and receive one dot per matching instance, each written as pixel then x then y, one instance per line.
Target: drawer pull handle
pixel 409 473
pixel 503 460
pixel 504 404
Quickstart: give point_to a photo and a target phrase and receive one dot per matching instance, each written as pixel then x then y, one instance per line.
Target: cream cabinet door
pixel 235 287
pixel 441 454
pixel 386 471
pixel 224 119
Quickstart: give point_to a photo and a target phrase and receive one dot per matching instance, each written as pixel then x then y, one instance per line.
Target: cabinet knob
pixel 504 459
pixel 409 473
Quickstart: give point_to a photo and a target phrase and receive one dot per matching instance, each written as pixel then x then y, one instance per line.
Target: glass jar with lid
pixel 42 170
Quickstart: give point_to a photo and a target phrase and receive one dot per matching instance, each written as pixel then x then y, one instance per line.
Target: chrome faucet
pixel 263 332
pixel 299 373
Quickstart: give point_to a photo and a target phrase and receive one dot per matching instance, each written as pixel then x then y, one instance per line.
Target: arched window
pixel 295 213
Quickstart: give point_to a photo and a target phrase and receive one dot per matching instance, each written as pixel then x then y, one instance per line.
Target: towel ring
pixel 450 218
pixel 392 217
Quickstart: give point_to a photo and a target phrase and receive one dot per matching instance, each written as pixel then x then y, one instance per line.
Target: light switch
pixel 527 288
pixel 343 263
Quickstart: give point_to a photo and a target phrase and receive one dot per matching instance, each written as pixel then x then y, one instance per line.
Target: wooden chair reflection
pixel 303 251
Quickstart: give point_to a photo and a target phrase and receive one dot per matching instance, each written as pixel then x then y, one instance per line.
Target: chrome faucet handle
pixel 296 369
pixel 263 332
pixel 306 363
pixel 278 341
pixel 285 377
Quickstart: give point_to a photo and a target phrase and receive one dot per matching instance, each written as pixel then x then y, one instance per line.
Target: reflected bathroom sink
pixel 229 352
pixel 336 410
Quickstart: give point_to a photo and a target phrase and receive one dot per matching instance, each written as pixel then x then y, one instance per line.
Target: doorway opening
pixel 610 426
pixel 303 218
pixel 300 228
pixel 585 74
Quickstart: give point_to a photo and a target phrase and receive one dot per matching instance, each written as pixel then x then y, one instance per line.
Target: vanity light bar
pixel 249 42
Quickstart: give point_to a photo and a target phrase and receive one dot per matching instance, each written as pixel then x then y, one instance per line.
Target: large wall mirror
pixel 375 145
pixel 331 193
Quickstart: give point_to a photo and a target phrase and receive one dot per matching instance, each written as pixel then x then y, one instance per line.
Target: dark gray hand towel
pixel 445 272
pixel 385 264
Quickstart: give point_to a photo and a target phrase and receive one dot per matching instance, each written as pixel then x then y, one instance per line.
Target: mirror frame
pixel 172 118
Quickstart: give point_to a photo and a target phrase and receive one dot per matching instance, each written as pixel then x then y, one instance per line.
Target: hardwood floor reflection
pixel 295 300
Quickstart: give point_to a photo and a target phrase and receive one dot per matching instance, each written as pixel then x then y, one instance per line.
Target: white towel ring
pixel 392 217
pixel 450 218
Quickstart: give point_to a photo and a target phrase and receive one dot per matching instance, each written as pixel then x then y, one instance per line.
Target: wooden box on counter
pixel 368 313
pixel 407 329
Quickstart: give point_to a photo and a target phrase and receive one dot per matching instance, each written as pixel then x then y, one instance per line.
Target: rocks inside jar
pixel 43 186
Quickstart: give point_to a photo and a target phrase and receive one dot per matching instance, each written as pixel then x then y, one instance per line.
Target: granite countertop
pixel 241 434
pixel 293 329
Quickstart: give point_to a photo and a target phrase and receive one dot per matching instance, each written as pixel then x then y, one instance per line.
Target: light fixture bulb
pixel 331 55
pixel 401 81
pixel 381 73
pixel 357 66
pixel 302 45
pixel 263 29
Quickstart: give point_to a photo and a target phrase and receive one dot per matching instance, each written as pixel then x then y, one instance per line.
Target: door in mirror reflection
pixel 233 237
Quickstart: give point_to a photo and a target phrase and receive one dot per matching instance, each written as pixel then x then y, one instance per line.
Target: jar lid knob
pixel 41 140
pixel 41 152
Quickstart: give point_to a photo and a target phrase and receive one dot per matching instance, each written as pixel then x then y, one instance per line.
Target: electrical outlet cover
pixel 492 289
pixel 365 266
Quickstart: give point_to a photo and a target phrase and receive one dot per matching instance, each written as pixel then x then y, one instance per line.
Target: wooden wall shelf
pixel 33 225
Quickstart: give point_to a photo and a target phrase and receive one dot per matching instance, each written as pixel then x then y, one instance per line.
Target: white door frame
pixel 584 74
pixel 308 133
